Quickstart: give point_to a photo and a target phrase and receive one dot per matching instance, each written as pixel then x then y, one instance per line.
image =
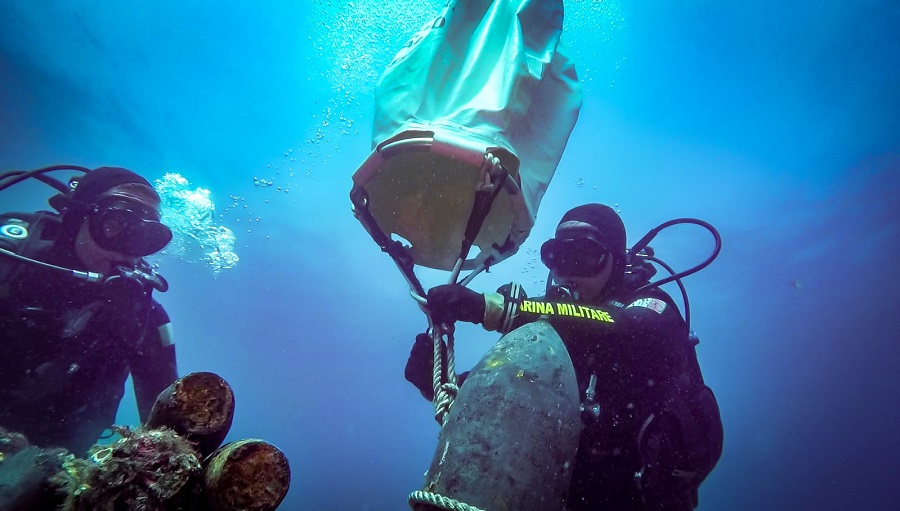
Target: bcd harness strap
pixel 32 225
pixel 399 253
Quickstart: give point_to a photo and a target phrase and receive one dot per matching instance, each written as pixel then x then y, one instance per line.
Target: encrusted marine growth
pixel 145 470
pixel 26 472
pixel 156 467
pixel 198 406
pixel 11 443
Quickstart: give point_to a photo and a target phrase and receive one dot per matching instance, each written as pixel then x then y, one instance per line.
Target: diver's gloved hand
pixel 420 366
pixel 128 301
pixel 124 287
pixel 454 302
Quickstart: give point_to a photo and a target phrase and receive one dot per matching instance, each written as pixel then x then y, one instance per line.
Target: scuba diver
pixel 651 430
pixel 77 313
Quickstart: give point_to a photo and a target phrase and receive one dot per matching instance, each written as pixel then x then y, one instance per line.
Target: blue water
pixel 778 122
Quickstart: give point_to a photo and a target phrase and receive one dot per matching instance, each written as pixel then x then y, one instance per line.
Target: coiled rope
pixel 444 392
pixel 439 501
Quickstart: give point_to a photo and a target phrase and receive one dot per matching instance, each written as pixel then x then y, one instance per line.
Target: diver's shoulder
pixel 652 297
pixel 20 224
pixel 654 292
pixel 32 216
pixel 17 227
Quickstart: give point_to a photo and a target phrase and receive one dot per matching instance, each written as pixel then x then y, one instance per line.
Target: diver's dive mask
pixel 128 227
pixel 577 257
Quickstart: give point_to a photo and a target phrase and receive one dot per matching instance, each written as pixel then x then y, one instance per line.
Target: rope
pixel 444 392
pixel 439 501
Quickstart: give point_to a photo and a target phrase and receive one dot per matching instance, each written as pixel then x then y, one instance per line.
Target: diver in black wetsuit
pixel 67 345
pixel 652 430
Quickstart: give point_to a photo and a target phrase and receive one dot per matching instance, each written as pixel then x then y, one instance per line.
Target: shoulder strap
pixel 23 234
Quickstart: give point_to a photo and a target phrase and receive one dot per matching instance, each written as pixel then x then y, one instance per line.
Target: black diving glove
pixel 128 299
pixel 454 302
pixel 420 366
pixel 123 286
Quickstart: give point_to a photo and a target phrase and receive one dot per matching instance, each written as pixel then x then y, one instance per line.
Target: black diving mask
pixel 578 257
pixel 127 227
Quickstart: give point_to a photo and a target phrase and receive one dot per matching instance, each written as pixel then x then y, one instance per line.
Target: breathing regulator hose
pixel 643 242
pixel 638 251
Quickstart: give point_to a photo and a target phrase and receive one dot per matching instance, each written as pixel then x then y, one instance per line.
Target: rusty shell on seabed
pixel 249 474
pixel 199 406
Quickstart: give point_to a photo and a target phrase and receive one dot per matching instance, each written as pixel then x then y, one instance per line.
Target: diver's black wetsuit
pixel 638 348
pixel 67 347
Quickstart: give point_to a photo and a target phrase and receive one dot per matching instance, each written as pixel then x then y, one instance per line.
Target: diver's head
pixel 112 216
pixel 587 254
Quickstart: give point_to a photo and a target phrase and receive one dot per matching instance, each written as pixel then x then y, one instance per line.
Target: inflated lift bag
pixel 485 76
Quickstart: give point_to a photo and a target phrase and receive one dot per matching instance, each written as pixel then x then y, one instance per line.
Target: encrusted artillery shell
pixel 251 475
pixel 199 406
pixel 510 438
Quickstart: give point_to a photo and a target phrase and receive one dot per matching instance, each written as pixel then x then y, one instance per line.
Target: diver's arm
pixel 153 364
pixel 449 303
pixel 645 322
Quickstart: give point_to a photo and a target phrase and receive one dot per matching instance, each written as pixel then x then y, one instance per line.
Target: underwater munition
pixel 155 467
pixel 199 406
pixel 250 475
pixel 510 438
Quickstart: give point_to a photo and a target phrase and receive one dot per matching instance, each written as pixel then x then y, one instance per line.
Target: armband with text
pixel 502 308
